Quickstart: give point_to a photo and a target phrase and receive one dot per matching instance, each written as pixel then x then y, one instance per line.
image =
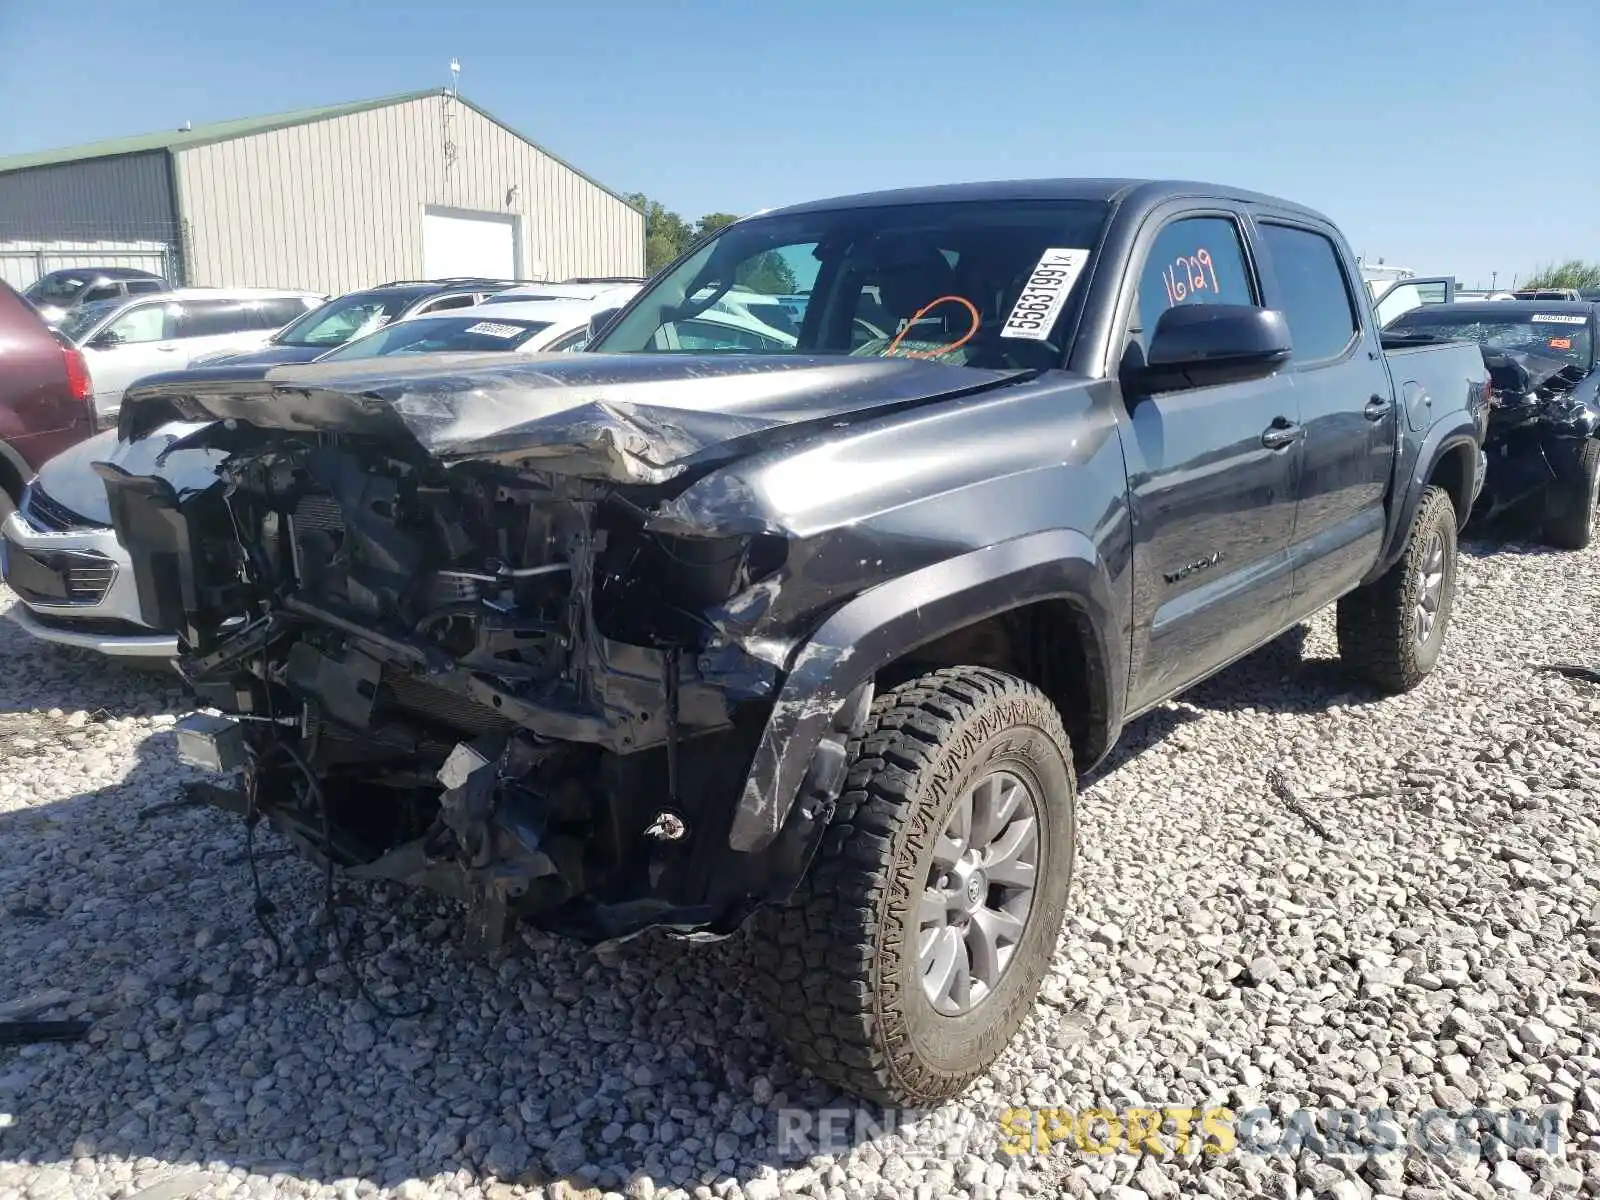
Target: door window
pixel 1314 294
pixel 147 323
pixel 211 318
pixel 103 291
pixel 276 313
pixel 138 287
pixel 1194 260
pixel 1403 297
pixel 445 303
pixel 572 341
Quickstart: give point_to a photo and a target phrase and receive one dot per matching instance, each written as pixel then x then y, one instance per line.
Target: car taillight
pixel 78 381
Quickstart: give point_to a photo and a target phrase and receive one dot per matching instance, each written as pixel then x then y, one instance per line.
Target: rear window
pixel 441 335
pixel 56 289
pixel 1557 335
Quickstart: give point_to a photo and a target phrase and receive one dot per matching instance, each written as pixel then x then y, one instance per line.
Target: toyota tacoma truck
pixel 674 633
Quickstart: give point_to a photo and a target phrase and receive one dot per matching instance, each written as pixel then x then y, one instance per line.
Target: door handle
pixel 167 348
pixel 1377 408
pixel 1281 434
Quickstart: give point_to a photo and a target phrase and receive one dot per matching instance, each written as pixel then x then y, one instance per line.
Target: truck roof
pixel 1146 192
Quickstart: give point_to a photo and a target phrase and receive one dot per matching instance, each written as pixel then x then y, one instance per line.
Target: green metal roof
pixel 200 135
pixel 223 131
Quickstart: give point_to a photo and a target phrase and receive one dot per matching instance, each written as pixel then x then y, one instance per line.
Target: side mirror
pixel 598 322
pixel 1199 345
pixel 105 340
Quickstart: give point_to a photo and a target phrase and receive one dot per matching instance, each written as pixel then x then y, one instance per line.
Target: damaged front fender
pixel 825 696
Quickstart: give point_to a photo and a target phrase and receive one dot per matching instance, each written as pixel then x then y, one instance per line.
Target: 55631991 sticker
pixel 495 329
pixel 1040 303
pixel 1561 318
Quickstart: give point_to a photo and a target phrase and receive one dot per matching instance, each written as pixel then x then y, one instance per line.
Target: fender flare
pixel 1445 438
pixel 827 692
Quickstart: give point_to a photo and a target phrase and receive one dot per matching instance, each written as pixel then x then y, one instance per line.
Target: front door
pixel 138 341
pixel 1211 475
pixel 1346 407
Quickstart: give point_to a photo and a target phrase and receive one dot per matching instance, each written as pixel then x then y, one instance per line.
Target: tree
pixel 712 222
pixel 769 273
pixel 1574 273
pixel 667 235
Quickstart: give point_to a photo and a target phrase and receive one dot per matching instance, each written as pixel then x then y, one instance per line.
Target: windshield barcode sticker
pixel 1561 318
pixel 495 329
pixel 1035 312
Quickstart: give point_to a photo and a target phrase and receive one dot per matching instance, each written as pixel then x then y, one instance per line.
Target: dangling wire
pixel 948 346
pixel 315 789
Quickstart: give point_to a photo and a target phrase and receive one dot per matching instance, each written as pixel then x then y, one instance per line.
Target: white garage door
pixel 479 244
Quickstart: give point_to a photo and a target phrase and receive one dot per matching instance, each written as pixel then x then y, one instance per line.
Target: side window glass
pixel 209 318
pixel 147 323
pixel 448 302
pixel 105 291
pixel 573 341
pixel 141 286
pixel 1315 297
pixel 1193 260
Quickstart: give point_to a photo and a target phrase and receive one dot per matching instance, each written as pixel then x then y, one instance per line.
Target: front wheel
pixel 1392 630
pixel 1570 503
pixel 921 934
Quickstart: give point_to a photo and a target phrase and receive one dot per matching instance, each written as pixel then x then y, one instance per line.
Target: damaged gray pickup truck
pixel 651 636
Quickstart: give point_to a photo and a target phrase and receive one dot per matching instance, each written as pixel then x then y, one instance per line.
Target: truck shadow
pixel 556 1063
pixel 1279 678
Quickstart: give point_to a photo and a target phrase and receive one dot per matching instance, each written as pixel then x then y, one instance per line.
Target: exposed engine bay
pixel 478 668
pixel 521 674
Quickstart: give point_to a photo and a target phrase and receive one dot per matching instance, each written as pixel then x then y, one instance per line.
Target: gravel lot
pixel 1423 931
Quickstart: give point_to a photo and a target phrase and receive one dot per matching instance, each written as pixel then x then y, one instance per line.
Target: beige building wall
pixel 337 204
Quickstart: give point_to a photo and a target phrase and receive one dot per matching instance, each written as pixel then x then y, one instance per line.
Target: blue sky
pixel 1449 137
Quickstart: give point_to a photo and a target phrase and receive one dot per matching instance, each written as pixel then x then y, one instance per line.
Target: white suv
pixel 123 340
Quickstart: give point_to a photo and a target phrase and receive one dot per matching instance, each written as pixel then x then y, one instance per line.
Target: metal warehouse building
pixel 416 186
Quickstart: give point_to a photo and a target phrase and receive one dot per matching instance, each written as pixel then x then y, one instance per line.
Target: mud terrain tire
pixel 1570 503
pixel 841 968
pixel 1379 625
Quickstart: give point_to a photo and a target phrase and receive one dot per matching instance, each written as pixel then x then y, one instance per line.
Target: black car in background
pixel 1543 442
pixel 356 314
pixel 60 292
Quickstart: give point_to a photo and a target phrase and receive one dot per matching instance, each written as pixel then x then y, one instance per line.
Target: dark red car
pixel 46 397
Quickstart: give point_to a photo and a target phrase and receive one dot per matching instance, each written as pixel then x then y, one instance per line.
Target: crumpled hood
pixel 1526 370
pixel 69 478
pixel 633 418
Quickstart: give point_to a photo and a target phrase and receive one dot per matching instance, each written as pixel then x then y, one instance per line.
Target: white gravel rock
pixel 1440 944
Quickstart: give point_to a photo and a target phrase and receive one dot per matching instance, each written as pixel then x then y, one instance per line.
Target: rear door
pixel 1346 403
pixel 1210 470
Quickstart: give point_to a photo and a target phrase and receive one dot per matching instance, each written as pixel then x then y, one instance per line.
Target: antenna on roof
pixel 455 76
pixel 187 126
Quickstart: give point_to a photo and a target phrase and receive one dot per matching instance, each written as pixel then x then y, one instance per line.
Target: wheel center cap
pixel 977 888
